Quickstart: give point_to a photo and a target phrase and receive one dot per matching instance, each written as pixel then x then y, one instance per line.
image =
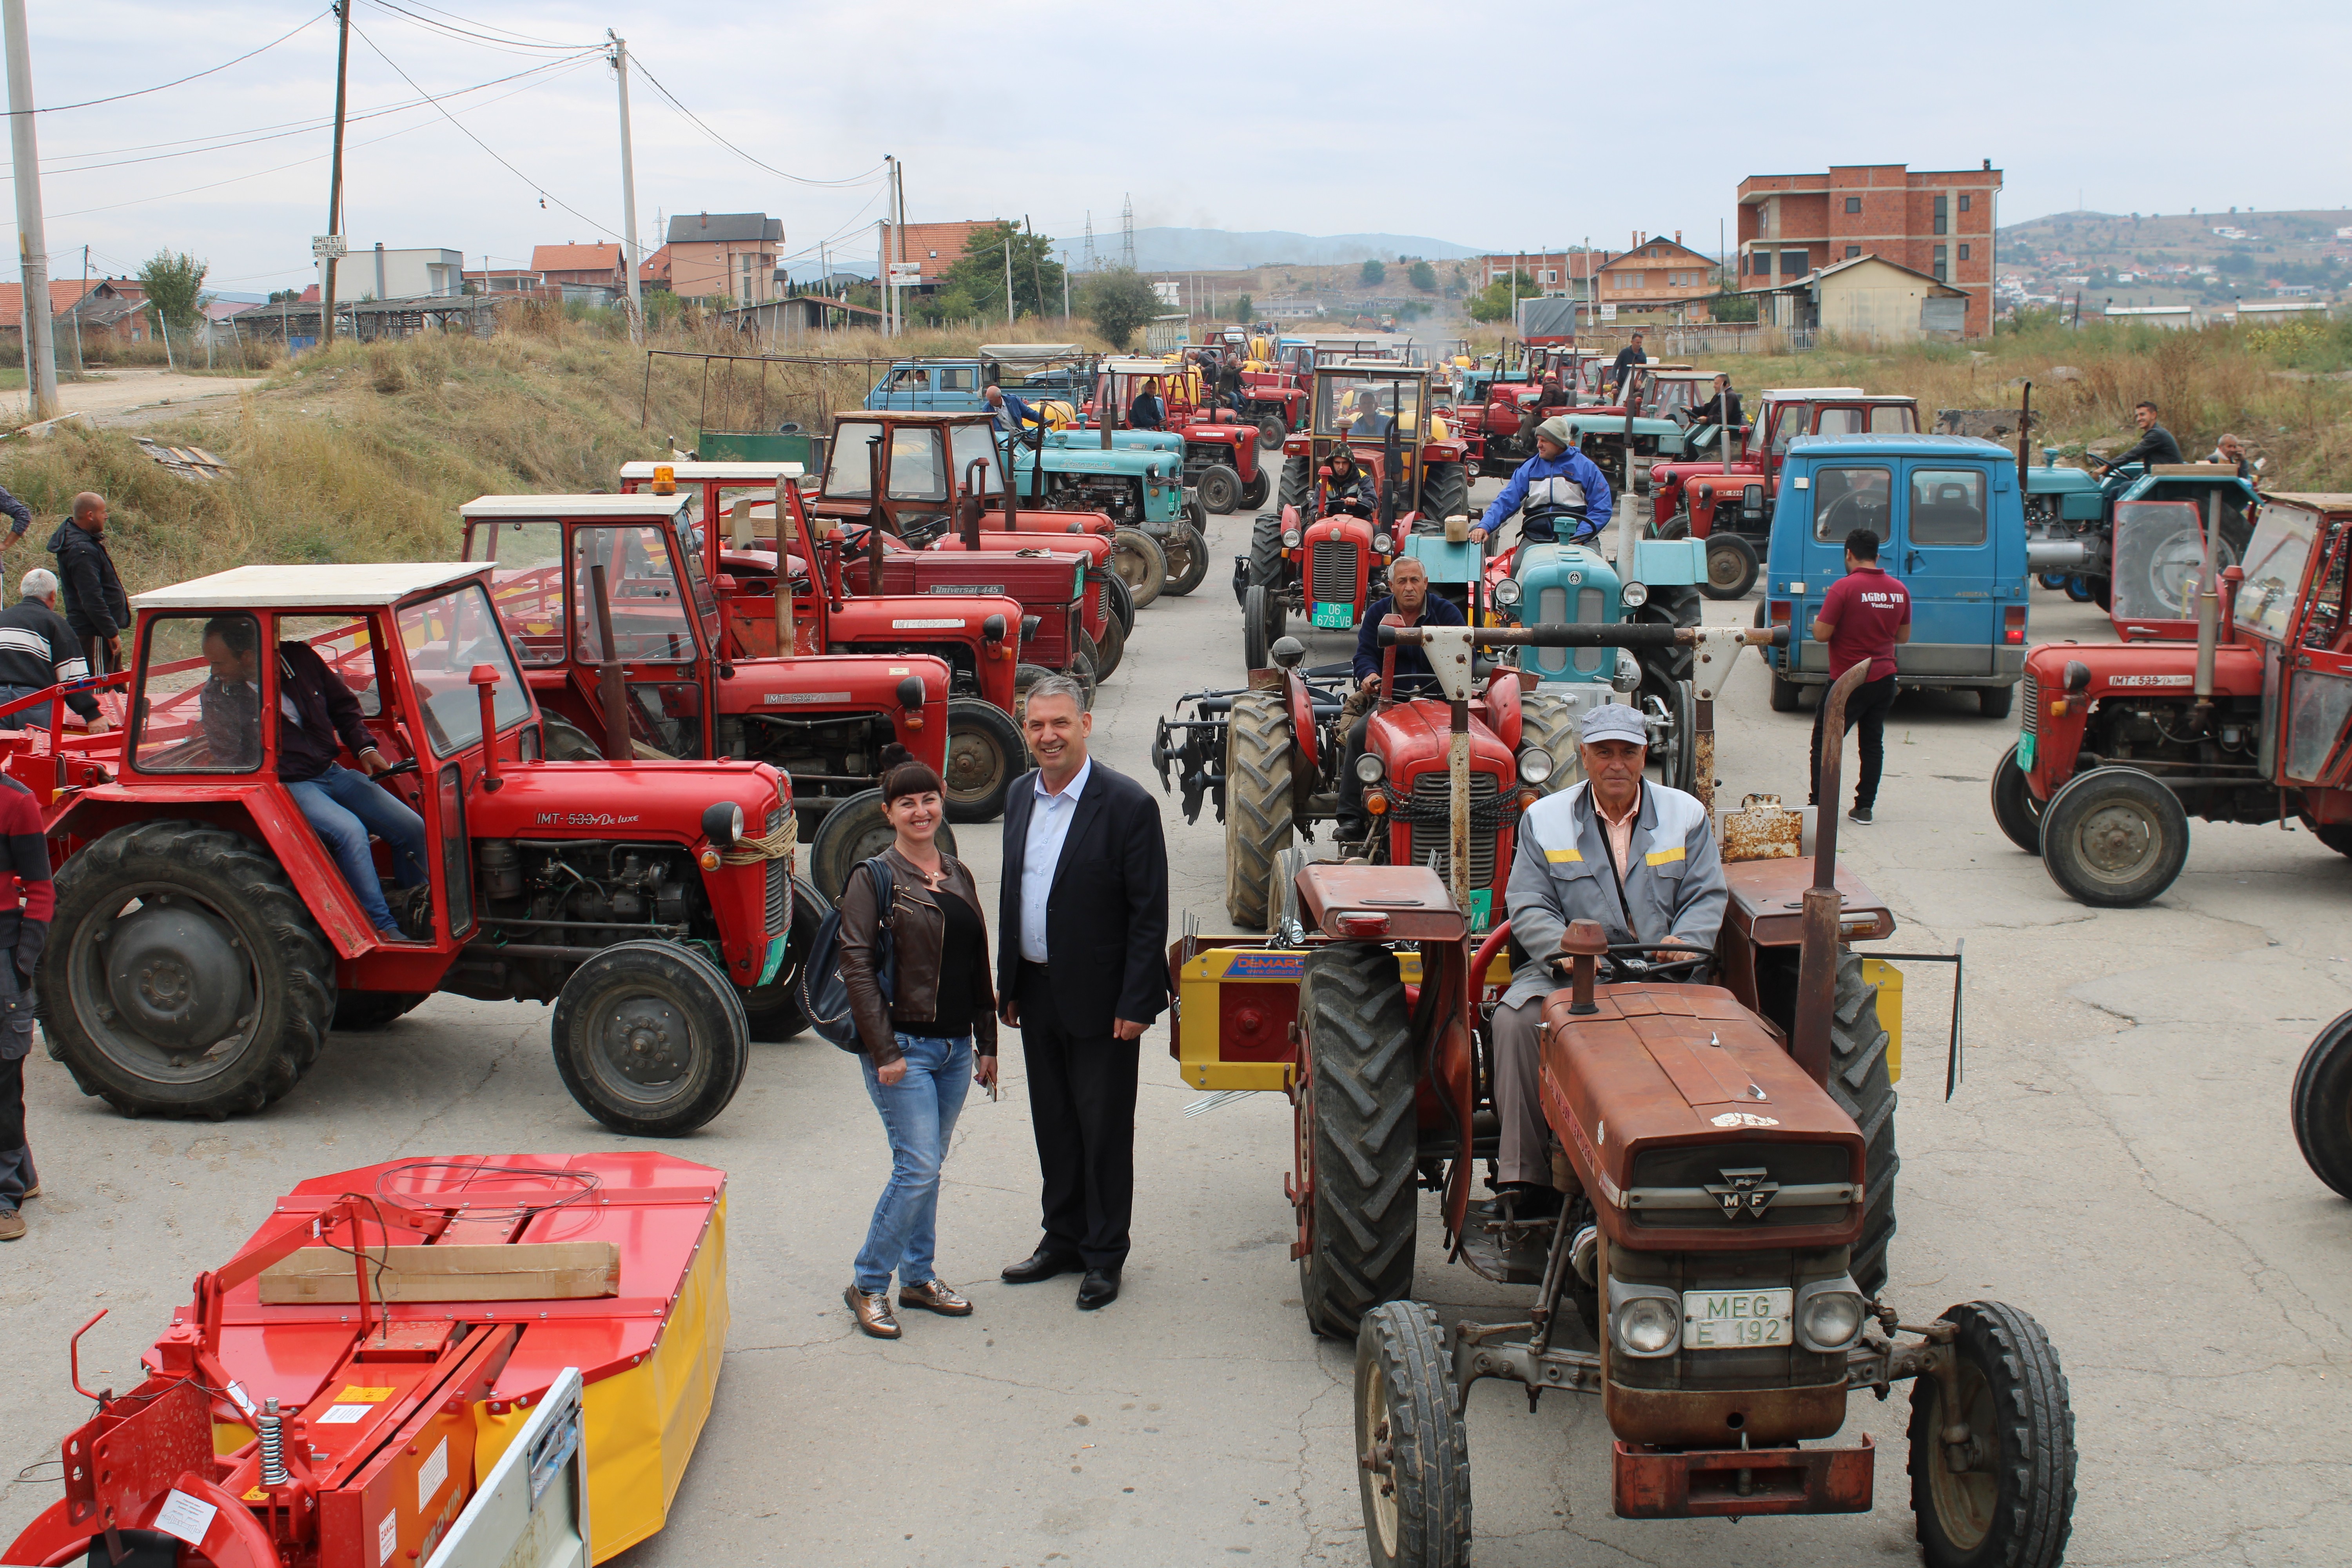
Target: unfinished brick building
pixel 1938 222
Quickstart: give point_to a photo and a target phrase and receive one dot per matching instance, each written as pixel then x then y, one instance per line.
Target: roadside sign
pixel 1608 313
pixel 323 245
pixel 905 274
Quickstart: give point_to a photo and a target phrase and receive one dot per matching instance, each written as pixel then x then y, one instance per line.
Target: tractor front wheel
pixel 1221 488
pixel 1357 1134
pixel 2323 1106
pixel 985 754
pixel 2114 837
pixel 1665 668
pixel 1187 554
pixel 2014 805
pixel 1731 567
pixel 1258 826
pixel 1265 568
pixel 1413 1451
pixel 1864 1087
pixel 650 1039
pixel 1140 564
pixel 2003 1495
pixel 1272 431
pixel 857 829
pixel 183 975
pixel 1256 488
pixel 1549 723
pixel 773 1012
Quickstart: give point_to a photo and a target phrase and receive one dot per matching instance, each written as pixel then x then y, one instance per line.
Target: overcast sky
pixel 1515 127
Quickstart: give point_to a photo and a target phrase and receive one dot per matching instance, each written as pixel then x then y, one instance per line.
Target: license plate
pixel 2025 753
pixel 1339 616
pixel 1735 1319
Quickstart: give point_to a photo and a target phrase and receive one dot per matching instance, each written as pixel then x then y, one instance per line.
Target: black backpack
pixel 824 996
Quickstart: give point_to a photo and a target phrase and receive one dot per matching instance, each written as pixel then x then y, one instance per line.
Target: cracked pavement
pixel 2117 1162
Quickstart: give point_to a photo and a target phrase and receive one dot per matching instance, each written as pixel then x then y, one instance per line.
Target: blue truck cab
pixel 1950 525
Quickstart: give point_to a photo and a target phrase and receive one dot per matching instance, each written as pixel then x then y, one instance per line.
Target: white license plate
pixel 1735 1319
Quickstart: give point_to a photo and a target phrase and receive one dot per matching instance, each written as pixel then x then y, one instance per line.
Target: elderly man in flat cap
pixel 1559 482
pixel 1637 857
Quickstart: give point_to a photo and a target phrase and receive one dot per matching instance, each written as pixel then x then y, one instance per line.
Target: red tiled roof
pixel 936 247
pixel 576 258
pixel 63 297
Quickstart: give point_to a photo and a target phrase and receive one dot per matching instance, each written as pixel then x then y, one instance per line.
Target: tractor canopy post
pixel 613 686
pixel 485 682
pixel 2208 615
pixel 787 528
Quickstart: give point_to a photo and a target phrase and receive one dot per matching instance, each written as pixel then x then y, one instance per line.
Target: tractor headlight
pixel 1628 678
pixel 722 824
pixel 1506 593
pixel 1830 1314
pixel 1290 537
pixel 1644 1320
pixel 1535 766
pixel 1370 768
pixel 1634 596
pixel 1382 543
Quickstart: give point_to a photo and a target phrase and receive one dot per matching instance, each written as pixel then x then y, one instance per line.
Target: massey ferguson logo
pixel 1746 1194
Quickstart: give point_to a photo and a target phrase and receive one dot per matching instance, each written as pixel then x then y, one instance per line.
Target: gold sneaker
pixel 935 1295
pixel 872 1312
pixel 12 1225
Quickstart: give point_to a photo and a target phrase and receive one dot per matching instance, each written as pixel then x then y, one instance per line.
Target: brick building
pixel 1937 222
pixel 1656 276
pixel 1554 271
pixel 723 254
pixel 934 248
pixel 591 266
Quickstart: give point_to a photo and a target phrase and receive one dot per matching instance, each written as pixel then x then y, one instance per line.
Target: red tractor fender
pixel 1300 704
pixel 1502 702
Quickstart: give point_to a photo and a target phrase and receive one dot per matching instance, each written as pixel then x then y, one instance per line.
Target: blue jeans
pixel 919 1115
pixel 36 715
pixel 345 807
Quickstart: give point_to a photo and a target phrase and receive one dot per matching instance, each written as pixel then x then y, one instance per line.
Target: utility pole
pixel 32 241
pixel 1008 276
pixel 335 178
pixel 79 368
pixel 620 57
pixel 1037 274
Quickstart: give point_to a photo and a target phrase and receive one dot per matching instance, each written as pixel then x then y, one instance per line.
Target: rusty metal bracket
pixel 1479 1350
pixel 1954 1067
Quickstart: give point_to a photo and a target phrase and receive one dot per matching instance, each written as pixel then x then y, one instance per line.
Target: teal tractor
pixel 2070 519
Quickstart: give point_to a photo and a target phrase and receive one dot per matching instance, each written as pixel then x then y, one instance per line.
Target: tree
pixel 1243 310
pixel 1424 276
pixel 288 296
pixel 1493 304
pixel 175 288
pixel 974 286
pixel 1376 272
pixel 1118 301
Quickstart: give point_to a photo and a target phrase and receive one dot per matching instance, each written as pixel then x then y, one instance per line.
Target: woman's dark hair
pixel 902 774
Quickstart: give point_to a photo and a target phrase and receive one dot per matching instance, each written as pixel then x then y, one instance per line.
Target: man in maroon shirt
pixel 1863 615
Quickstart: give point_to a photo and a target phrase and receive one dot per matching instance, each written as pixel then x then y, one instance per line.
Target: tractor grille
pixel 1431 819
pixel 1333 581
pixel 2031 690
pixel 780 879
pixel 1102 599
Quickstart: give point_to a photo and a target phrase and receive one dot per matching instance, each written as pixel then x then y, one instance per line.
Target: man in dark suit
pixel 1081 970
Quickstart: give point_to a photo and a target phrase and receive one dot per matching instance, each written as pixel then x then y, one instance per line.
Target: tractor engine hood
pixel 663 800
pixel 1033 579
pixel 2141 669
pixel 1413 737
pixel 1083 456
pixel 1693 1129
pixel 848 682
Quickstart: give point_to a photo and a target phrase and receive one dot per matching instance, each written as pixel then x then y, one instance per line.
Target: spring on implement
pixel 273 1446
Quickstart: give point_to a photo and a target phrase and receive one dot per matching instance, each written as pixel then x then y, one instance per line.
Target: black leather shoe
pixel 1041 1264
pixel 1098 1289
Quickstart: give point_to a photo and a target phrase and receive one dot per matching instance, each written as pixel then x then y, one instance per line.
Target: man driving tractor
pixel 1410 599
pixel 1558 481
pixel 1638 857
pixel 1351 483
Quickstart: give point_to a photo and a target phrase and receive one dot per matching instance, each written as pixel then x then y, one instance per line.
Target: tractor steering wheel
pixel 1630 961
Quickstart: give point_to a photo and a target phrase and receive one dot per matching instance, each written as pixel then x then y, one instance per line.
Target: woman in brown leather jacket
pixel 919 1042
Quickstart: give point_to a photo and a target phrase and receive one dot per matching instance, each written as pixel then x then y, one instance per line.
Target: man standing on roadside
pixel 37 651
pixel 1628 357
pixel 1863 615
pixel 1081 970
pixel 96 607
pixel 30 897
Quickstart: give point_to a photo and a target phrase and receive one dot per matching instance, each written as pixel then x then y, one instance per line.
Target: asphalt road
pixel 2117 1162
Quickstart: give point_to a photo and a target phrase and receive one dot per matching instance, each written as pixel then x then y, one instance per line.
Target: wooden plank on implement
pixel 524 1271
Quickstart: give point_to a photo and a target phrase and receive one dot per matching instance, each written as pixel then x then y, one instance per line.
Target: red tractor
pixel 1717 1273
pixel 206 942
pixel 1726 499
pixel 1323 554
pixel 2243 714
pixel 1220 447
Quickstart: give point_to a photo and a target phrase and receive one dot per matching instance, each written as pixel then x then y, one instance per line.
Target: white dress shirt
pixel 1049 824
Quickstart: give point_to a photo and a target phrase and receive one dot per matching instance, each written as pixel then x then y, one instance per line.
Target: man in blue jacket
pixel 1557 481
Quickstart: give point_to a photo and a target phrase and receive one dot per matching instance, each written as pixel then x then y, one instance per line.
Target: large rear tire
pixel 1297 484
pixel 1140 564
pixel 985 754
pixel 773 1013
pixel 1446 491
pixel 1864 1089
pixel 2014 805
pixel 857 829
pixel 650 1039
pixel 211 998
pixel 1264 552
pixel 1221 488
pixel 1256 646
pixel 2009 1500
pixel 1414 1451
pixel 2114 837
pixel 1731 567
pixel 1358 1134
pixel 2323 1106
pixel 1259 754
pixel 1187 554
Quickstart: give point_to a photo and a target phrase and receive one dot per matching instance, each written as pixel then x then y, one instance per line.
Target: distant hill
pixel 2101 238
pixel 1216 249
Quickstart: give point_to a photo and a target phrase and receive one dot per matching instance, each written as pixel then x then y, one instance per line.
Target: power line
pixel 482 40
pixel 118 98
pixel 796 179
pixel 493 27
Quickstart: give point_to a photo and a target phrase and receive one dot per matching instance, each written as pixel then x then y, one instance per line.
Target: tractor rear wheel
pixel 1221 488
pixel 1259 760
pixel 2323 1106
pixel 2014 805
pixel 1111 648
pixel 857 829
pixel 183 975
pixel 1297 485
pixel 1356 1133
pixel 1140 564
pixel 1731 567
pixel 1864 1089
pixel 2114 837
pixel 1549 722
pixel 1256 488
pixel 1272 431
pixel 773 1013
pixel 357 1012
pixel 1412 1449
pixel 650 1039
pixel 985 754
pixel 1187 554
pixel 1446 491
pixel 2004 1497
pixel 1666 667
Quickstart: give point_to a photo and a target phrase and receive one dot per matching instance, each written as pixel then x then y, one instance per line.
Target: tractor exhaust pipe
pixel 613 686
pixel 1817 959
pixel 787 529
pixel 2208 613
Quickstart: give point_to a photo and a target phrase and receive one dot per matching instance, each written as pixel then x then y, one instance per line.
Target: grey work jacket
pixel 1560 872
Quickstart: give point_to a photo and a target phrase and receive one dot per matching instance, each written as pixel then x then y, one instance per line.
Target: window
pixel 1854 204
pixel 918 464
pixel 1947 507
pixel 641 590
pixel 1941 217
pixel 198 709
pixel 1848 499
pixel 1964 203
pixel 342 641
pixel 446 638
pixel 1793 263
pixel 1551 276
pixel 1629 280
pixel 527 585
pixel 1894 420
pixel 975 443
pixel 1760 262
pixel 1940 267
pixel 1964 253
pixel 1852 251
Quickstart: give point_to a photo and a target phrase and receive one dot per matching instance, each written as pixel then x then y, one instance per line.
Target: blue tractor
pixel 2075 507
